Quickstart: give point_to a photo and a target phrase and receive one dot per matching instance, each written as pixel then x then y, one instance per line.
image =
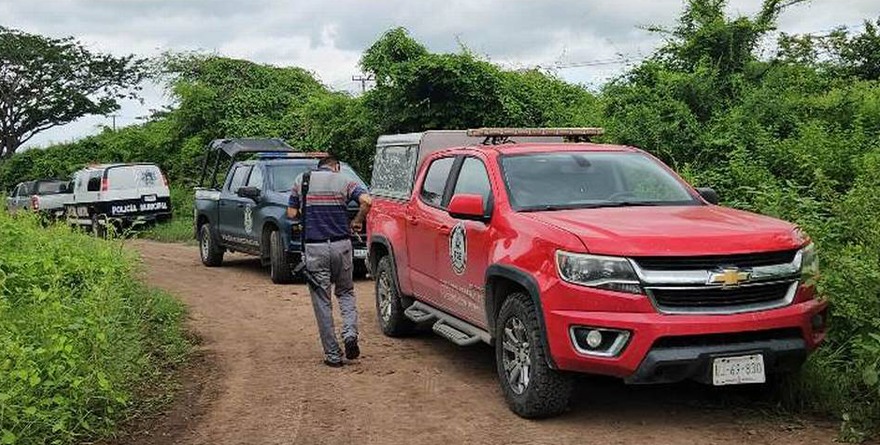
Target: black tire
pixel 279 265
pixel 209 251
pixel 545 392
pixel 389 307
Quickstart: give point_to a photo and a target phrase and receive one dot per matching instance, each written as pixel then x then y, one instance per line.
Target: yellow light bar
pixel 502 132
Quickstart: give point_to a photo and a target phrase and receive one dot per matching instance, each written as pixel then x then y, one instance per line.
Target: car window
pixel 94 184
pixel 283 175
pixel 239 177
pixel 553 181
pixel 17 192
pixel 393 170
pixel 473 179
pixel 435 181
pixel 50 187
pixel 122 178
pixel 256 178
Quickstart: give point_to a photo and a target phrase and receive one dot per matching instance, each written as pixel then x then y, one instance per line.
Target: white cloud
pixel 328 37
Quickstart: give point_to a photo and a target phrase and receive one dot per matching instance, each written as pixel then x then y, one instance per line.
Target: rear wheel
pixel 279 265
pixel 210 252
pixel 98 230
pixel 389 307
pixel 532 389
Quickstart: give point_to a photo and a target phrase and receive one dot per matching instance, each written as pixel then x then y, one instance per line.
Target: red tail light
pixel 105 185
pixel 35 203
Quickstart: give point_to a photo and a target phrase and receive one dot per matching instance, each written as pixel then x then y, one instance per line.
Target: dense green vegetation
pixel 794 135
pixel 80 336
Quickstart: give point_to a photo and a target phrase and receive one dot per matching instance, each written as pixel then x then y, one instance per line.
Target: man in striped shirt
pixel 328 251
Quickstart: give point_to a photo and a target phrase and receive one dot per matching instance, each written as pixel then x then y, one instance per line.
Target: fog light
pixel 602 342
pixel 594 339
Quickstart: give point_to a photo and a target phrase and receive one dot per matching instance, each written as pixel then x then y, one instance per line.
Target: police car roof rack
pixel 497 135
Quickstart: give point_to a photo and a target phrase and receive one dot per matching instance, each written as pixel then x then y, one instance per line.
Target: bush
pixel 79 334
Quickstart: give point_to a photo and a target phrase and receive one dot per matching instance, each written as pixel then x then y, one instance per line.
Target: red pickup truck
pixel 570 256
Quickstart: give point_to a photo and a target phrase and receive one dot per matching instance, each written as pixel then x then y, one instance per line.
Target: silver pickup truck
pixel 45 196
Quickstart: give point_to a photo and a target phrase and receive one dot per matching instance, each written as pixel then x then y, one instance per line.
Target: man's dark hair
pixel 329 161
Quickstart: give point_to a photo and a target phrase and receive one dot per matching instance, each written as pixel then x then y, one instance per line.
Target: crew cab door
pixel 424 228
pixel 232 208
pixel 462 255
pixel 13 201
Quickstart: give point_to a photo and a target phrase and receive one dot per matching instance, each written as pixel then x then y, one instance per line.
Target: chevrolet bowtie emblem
pixel 729 277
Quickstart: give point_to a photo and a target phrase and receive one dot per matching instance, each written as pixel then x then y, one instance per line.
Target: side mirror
pixel 249 192
pixel 709 194
pixel 468 207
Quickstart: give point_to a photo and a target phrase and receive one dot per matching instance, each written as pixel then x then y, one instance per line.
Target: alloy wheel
pixel 517 355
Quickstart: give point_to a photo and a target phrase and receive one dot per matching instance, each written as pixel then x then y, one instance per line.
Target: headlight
pixel 602 272
pixel 809 264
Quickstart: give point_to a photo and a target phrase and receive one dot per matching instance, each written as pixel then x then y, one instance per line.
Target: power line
pixel 363 80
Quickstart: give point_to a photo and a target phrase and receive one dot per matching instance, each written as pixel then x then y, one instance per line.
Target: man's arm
pixel 293 201
pixel 292 212
pixel 365 202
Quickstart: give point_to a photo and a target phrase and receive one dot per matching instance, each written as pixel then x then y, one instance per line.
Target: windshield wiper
pixel 623 204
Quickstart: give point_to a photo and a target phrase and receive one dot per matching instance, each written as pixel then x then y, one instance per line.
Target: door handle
pixel 444 230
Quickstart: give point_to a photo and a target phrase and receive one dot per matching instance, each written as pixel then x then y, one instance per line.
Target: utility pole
pixel 113 119
pixel 363 80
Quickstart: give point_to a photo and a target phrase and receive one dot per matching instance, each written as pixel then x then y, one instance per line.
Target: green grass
pixel 178 230
pixel 80 336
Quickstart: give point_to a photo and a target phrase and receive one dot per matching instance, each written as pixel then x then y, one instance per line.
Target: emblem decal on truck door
pixel 458 248
pixel 248 219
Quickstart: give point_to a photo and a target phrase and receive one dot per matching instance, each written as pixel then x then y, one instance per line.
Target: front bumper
pixel 648 357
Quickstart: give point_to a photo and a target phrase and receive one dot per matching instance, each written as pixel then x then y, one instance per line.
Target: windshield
pixel 551 181
pixel 51 188
pixel 283 175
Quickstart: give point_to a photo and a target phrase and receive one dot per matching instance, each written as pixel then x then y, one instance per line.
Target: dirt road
pixel 262 382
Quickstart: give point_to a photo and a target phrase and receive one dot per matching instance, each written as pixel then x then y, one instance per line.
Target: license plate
pixel 149 198
pixel 360 253
pixel 738 370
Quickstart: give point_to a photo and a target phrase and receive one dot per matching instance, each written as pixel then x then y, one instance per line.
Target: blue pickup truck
pixel 246 212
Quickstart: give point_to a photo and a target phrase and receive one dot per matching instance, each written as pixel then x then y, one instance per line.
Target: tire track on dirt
pixel 271 388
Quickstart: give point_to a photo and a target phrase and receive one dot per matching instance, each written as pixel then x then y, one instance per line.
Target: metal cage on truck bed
pixel 398 156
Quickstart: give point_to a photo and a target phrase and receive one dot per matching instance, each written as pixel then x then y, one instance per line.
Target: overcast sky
pixel 327 37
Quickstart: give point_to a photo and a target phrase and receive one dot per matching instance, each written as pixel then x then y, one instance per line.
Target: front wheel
pixel 279 265
pixel 211 253
pixel 532 389
pixel 389 307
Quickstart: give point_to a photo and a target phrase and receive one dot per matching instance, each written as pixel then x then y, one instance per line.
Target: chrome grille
pixel 741 298
pixel 682 285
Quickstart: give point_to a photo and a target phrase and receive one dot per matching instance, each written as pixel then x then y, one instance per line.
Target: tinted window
pixel 18 190
pixel 256 179
pixel 393 170
pixel 435 181
pixel 473 179
pixel 238 178
pixel 548 181
pixel 94 184
pixel 283 175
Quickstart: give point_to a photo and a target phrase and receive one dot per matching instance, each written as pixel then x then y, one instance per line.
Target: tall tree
pixel 46 82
